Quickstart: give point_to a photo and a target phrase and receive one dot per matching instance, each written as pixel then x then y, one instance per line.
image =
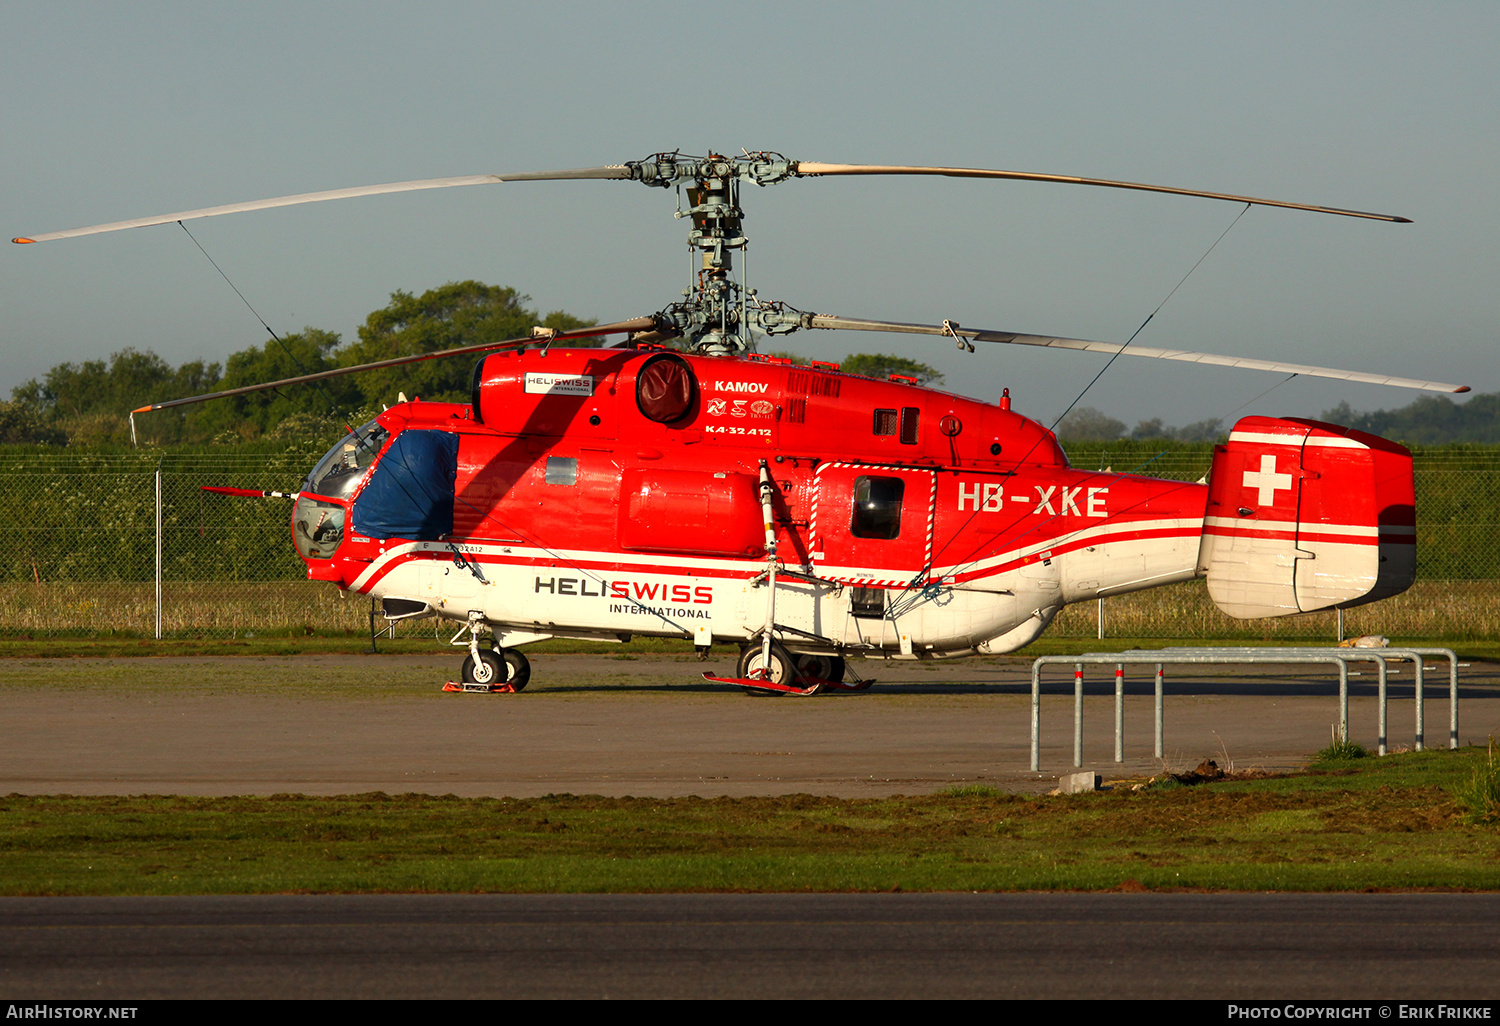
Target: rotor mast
pixel 718 315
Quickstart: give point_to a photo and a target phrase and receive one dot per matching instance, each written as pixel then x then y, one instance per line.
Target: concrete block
pixel 1077 783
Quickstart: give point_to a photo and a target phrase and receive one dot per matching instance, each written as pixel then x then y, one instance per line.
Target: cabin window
pixel 562 470
pixel 877 507
pixel 909 415
pixel 885 422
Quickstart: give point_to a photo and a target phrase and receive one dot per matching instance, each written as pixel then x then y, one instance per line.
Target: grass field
pixel 1449 610
pixel 1456 610
pixel 189 609
pixel 1398 823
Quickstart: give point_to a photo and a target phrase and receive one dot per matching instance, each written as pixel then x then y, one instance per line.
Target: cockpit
pixel 319 518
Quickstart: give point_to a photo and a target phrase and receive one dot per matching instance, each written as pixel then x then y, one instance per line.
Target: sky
pixel 113 111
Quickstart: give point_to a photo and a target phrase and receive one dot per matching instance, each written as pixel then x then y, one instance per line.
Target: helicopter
pixel 678 483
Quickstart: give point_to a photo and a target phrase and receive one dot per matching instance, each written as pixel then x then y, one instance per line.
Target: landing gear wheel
pixel 488 670
pixel 823 667
pixel 519 667
pixel 781 667
pixel 494 668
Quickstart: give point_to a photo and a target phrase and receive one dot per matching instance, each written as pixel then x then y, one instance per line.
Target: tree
pixel 1210 430
pixel 1086 424
pixel 882 365
pixel 305 352
pixel 21 424
pixel 1199 431
pixel 91 401
pixel 460 313
pixel 1428 420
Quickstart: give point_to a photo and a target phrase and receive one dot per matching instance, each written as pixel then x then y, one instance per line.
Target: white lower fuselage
pixel 992 605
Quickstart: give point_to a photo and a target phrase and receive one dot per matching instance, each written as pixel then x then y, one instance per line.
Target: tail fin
pixel 1304 515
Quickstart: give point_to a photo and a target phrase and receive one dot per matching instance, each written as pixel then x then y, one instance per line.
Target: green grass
pixel 1392 823
pixel 1480 794
pixel 1341 749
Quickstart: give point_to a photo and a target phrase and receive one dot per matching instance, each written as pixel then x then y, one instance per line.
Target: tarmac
pixel 651 726
pixel 645 726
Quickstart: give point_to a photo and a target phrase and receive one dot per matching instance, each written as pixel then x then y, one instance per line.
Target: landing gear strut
pixel 489 664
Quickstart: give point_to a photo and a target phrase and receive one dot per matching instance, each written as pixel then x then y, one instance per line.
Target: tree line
pixel 1429 420
pixel 88 403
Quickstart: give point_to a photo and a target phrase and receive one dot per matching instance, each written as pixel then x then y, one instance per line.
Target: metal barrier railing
pixel 1340 658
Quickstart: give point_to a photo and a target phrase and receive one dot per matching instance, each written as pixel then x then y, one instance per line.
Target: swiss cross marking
pixel 1267 481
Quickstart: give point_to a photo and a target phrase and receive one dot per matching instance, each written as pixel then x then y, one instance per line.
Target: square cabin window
pixel 877 507
pixel 562 470
pixel 909 421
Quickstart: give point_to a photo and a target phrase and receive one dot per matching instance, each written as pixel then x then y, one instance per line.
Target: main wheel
pixel 519 667
pixel 824 667
pixel 780 666
pixel 490 669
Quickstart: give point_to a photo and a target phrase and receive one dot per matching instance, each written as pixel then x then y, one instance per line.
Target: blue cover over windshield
pixel 410 494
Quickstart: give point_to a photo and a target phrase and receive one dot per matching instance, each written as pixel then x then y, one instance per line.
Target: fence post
pixel 1101 619
pixel 158 550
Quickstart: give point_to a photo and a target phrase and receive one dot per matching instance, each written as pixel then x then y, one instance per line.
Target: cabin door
pixel 872 525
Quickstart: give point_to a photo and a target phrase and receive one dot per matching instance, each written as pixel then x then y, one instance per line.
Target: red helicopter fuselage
pixel 600 493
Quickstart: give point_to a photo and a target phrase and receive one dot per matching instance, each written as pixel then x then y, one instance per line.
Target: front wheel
pixel 494 668
pixel 780 667
pixel 488 669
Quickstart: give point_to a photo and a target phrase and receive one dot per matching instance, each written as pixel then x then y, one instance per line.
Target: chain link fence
pixel 79 554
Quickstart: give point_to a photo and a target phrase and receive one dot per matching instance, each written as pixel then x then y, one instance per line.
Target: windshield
pixel 337 473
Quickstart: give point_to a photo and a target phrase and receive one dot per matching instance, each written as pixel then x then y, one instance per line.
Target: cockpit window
pixel 337 473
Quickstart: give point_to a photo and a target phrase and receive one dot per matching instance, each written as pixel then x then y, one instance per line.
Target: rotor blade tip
pixel 21 240
pixel 143 409
pixel 1462 388
pixel 1403 220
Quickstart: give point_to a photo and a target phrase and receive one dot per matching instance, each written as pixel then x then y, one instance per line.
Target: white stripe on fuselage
pixel 1098 534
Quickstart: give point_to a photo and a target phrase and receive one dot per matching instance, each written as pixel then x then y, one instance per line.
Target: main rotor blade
pixel 811 168
pixel 638 324
pixel 953 330
pixel 610 171
pixel 330 194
